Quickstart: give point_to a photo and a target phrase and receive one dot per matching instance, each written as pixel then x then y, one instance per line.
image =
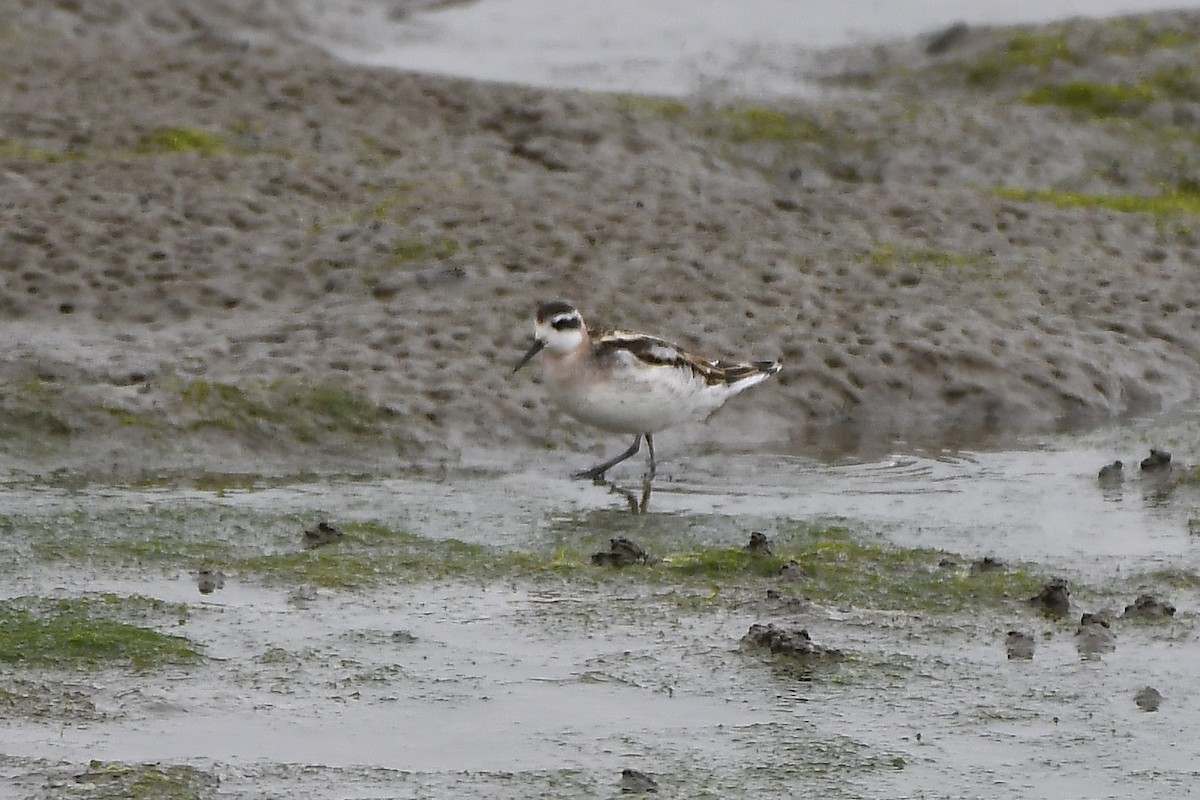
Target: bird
pixel 627 382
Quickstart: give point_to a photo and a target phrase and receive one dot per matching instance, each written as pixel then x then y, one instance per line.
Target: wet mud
pixel 459 639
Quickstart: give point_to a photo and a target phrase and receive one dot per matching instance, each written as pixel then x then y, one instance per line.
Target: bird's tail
pixel 738 375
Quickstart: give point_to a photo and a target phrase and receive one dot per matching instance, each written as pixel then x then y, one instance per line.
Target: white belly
pixel 644 400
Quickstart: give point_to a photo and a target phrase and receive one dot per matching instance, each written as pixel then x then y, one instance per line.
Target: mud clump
pixel 1147 606
pixel 622 552
pixel 1148 699
pixel 1054 600
pixel 1018 645
pixel 759 544
pixel 986 564
pixel 209 580
pixel 637 782
pixel 795 643
pixel 792 571
pixel 1158 461
pixel 1094 637
pixel 1112 474
pixel 320 535
pixel 777 601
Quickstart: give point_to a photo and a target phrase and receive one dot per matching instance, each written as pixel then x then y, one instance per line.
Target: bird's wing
pixel 656 352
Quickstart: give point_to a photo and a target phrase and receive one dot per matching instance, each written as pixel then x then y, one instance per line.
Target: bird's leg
pixel 648 478
pixel 650 444
pixel 645 502
pixel 596 473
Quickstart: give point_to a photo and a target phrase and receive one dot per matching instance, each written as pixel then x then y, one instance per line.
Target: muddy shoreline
pixel 280 522
pixel 222 243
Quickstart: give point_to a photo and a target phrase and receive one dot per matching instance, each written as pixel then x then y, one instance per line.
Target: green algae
pixel 103 780
pixel 1105 100
pixel 663 107
pixel 833 564
pixel 176 140
pixel 1095 99
pixel 368 555
pixel 741 125
pixel 408 250
pixel 1038 48
pixel 1169 577
pixel 1024 50
pixel 735 124
pixel 1056 48
pixel 24 424
pixel 12 149
pixel 1139 36
pixel 836 566
pixel 1172 203
pixel 839 567
pixel 303 411
pixel 27 415
pixel 886 255
pixel 83 632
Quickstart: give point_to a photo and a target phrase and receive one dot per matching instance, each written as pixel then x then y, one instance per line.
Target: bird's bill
pixel 533 350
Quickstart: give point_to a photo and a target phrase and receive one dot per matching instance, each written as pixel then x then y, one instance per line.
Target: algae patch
pixel 1037 50
pixel 836 566
pixel 83 632
pixel 13 150
pixel 832 565
pixel 741 125
pixel 174 140
pixel 303 411
pixel 104 780
pixel 1176 202
pixel 26 415
pixel 1097 99
pixel 885 257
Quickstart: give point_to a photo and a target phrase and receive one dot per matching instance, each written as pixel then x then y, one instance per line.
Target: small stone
pixel 635 782
pixel 322 534
pixel 1019 645
pixel 1148 699
pixel 1054 599
pixel 403 637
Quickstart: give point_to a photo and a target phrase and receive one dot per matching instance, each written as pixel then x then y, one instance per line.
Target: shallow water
pixel 669 47
pixel 549 688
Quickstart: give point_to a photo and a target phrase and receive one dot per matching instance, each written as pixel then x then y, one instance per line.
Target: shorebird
pixel 628 382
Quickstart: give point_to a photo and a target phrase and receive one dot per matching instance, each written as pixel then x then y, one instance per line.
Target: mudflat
pixel 218 242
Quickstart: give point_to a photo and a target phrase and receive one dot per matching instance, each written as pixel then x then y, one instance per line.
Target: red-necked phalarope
pixel 631 382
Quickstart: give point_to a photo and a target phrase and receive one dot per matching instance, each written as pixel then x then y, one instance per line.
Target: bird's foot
pixel 595 474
